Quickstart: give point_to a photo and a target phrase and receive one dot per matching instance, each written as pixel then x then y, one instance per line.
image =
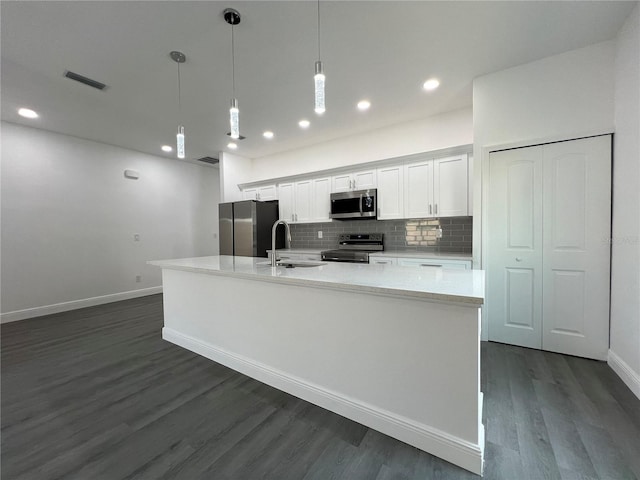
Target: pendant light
pixel 232 17
pixel 179 58
pixel 318 78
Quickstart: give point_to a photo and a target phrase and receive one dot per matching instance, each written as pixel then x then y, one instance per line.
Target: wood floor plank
pixel 536 451
pixel 97 394
pixel 568 448
pixel 605 455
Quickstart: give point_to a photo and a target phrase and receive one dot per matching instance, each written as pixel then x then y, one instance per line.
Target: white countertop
pixel 414 254
pixel 463 287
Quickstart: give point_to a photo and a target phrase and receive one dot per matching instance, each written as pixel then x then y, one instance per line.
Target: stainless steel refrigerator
pixel 245 228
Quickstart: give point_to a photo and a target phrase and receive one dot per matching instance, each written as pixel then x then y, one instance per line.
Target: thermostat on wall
pixel 132 174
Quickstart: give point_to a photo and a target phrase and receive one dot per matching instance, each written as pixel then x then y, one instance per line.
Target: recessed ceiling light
pixel 167 148
pixel 364 105
pixel 268 134
pixel 431 84
pixel 27 113
pixel 232 145
pixel 304 123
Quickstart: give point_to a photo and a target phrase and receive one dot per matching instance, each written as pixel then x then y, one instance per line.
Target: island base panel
pixel 407 368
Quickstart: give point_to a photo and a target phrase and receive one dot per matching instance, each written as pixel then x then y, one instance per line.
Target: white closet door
pixel 576 265
pixel 514 239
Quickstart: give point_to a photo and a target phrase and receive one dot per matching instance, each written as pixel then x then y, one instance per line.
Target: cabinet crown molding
pixel 430 155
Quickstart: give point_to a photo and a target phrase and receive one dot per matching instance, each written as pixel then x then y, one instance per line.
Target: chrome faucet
pixel 274 259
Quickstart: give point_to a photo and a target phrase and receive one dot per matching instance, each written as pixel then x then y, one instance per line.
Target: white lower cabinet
pixel 427 262
pixel 383 261
pixel 435 263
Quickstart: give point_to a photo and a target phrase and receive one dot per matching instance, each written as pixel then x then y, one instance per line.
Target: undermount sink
pixel 300 264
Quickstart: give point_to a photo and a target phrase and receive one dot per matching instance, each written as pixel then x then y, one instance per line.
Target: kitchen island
pixel 394 348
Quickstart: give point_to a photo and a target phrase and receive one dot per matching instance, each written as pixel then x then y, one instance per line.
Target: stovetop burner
pixel 355 247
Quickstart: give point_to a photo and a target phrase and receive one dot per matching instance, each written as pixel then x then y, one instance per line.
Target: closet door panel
pixel 514 264
pixel 577 219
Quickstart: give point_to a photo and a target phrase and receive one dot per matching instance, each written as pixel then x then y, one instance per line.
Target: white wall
pixel 69 217
pixel 625 267
pixel 433 133
pixel 558 97
pixel 234 169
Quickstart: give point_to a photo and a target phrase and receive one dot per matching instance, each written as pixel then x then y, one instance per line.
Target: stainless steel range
pixel 355 247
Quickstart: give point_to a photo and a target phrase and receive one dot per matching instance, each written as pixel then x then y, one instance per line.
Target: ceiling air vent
pixel 85 80
pixel 209 160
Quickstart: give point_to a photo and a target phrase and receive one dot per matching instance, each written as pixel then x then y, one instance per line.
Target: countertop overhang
pixel 460 287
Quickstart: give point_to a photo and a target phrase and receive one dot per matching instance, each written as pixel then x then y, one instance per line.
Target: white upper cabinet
pixel 437 188
pixel 303 201
pixel 427 188
pixel 263 193
pixel 362 180
pixel 286 201
pixel 390 192
pixel 341 183
pixel 321 203
pixel 418 190
pixel 450 186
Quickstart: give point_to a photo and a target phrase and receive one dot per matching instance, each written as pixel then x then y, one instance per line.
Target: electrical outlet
pixel 319 233
pixel 438 233
pixel 138 278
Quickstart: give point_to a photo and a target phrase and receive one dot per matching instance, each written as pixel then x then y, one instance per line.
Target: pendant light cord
pixel 318 30
pixel 233 64
pixel 179 96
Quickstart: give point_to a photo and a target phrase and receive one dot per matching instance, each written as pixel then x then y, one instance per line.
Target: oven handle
pixel 361 212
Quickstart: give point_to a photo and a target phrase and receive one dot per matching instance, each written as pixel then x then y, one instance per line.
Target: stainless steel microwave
pixel 357 204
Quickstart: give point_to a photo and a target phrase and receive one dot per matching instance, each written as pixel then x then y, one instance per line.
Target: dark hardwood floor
pixel 97 394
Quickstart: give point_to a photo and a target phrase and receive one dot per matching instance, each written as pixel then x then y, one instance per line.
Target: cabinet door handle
pixel 292 217
pixel 430 265
pixel 436 208
pixel 430 211
pixel 518 259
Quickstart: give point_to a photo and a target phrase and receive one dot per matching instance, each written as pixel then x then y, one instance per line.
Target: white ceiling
pixel 379 50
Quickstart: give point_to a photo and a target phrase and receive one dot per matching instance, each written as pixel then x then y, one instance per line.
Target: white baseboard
pixel 453 449
pixel 630 377
pixel 76 304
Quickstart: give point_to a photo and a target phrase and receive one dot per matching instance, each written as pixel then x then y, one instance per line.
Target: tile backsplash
pixel 411 234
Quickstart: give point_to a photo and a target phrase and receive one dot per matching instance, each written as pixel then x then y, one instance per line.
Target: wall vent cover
pixel 82 79
pixel 209 160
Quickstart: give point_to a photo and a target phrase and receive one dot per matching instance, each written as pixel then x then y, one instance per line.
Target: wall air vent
pixel 85 80
pixel 209 160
